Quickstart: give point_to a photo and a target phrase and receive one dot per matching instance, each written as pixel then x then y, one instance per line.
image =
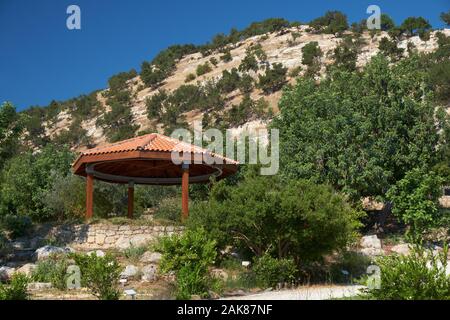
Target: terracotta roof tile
pixel 152 142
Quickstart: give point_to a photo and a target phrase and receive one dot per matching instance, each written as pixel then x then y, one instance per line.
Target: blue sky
pixel 41 60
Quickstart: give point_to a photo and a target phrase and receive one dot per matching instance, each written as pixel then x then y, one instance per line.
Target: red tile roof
pixel 152 142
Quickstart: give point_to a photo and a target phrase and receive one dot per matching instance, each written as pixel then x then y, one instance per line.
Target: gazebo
pixel 149 160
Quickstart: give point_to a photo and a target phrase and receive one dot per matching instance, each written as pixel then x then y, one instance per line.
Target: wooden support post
pixel 185 191
pixel 130 199
pixel 89 196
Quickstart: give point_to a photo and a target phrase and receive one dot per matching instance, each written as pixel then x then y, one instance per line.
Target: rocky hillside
pixel 284 47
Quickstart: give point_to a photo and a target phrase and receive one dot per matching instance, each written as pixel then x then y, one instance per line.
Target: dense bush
pixel 445 17
pixel 11 126
pixel 310 52
pixel 270 271
pixel 169 209
pixel 27 177
pixel 190 77
pixel 118 82
pixel 415 26
pixel 417 276
pixel 52 270
pixel 273 80
pixel 154 104
pixel 189 256
pixel 16 225
pixel 118 123
pixel 331 22
pixel 16 289
pixel 328 130
pixel 203 69
pixel 346 54
pixel 295 219
pixel 390 49
pixel 226 57
pixel 99 274
pixel 415 199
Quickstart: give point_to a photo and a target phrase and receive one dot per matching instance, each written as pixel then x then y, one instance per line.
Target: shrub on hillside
pixel 27 177
pixel 203 69
pixel 331 22
pixel 289 219
pixel 415 26
pixel 154 104
pixel 52 270
pixel 415 199
pixel 273 80
pixel 390 49
pixel 99 274
pixel 421 275
pixel 189 256
pixel 16 225
pixel 16 289
pixel 270 271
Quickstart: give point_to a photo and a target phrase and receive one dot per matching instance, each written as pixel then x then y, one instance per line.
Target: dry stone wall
pixel 107 236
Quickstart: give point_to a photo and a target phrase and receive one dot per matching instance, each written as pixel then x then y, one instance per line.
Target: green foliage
pixel 415 199
pixel 75 135
pixel 84 107
pixel 16 289
pixel 189 256
pixel 346 54
pixel 134 253
pixel 214 61
pixel 359 132
pixel 52 270
pixel 415 25
pixel 118 82
pixel 270 271
pixel 295 219
pixel 11 127
pixel 331 22
pixel 311 52
pixel 16 225
pixel 154 72
pixel 386 22
pixel 154 104
pixel 118 122
pixel 390 49
pixel 99 274
pixel 27 177
pixel 249 63
pixel 35 132
pixel 229 81
pixel 203 69
pixel 445 17
pixel 169 209
pixel 417 276
pixel 273 80
pixel 349 267
pixel 190 77
pixel 226 57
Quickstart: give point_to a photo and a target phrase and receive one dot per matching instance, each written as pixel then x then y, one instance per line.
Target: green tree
pixel 415 199
pixel 331 22
pixel 445 16
pixel 415 25
pixel 360 132
pixel 273 80
pixel 288 219
pixel 386 22
pixel 27 177
pixel 11 127
pixel 390 49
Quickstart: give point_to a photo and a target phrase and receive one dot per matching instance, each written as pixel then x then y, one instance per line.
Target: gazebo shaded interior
pixel 148 160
